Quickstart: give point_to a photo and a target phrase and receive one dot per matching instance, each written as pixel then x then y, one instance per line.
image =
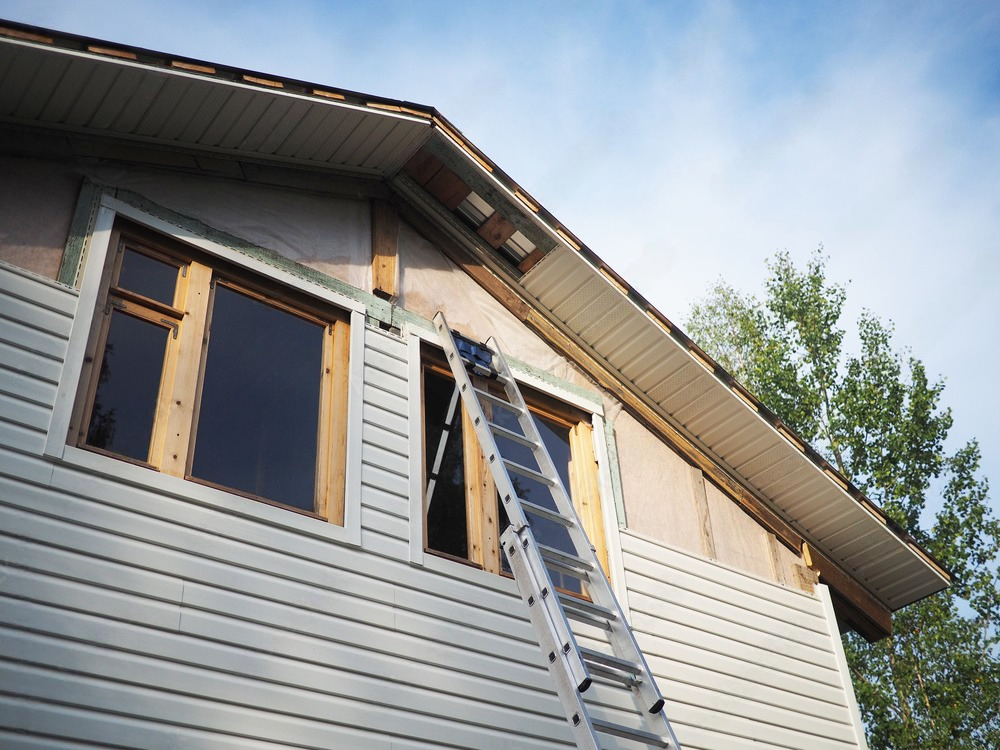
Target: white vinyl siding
pixel 742 662
pixel 141 612
pixel 138 610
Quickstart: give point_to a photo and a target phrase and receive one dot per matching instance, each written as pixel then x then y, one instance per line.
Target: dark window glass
pixel 556 439
pixel 149 277
pixel 257 427
pixel 447 528
pixel 128 386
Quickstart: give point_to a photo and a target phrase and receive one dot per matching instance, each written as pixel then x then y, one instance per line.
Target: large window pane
pixel 556 438
pixel 128 385
pixel 149 277
pixel 447 527
pixel 257 426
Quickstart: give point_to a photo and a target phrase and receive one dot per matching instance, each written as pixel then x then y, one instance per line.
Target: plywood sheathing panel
pixel 430 282
pixel 35 213
pixel 739 541
pixel 663 494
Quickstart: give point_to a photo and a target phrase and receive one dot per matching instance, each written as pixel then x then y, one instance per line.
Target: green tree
pixel 874 414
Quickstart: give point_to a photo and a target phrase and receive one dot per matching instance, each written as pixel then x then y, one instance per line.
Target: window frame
pixel 267 280
pixel 589 485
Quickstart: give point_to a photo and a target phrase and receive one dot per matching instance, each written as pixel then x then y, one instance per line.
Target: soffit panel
pixel 54 87
pixel 728 428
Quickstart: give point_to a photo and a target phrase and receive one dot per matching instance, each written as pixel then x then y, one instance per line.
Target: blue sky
pixel 687 141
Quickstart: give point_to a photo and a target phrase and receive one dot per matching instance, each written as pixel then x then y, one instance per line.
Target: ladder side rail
pixel 540 579
pixel 540 453
pixel 624 644
pixel 620 635
pixel 478 418
pixel 584 734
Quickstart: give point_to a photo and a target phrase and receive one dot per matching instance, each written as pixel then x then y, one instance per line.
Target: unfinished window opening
pixel 464 516
pixel 203 371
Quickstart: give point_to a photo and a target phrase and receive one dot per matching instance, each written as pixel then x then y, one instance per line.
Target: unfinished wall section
pixel 669 500
pixel 37 199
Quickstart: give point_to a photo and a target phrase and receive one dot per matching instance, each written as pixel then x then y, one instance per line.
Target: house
pixel 221 398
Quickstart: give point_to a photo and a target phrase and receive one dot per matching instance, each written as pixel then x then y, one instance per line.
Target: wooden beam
pixel 496 230
pixel 529 262
pixel 448 188
pixel 385 237
pixel 422 166
pixel 853 603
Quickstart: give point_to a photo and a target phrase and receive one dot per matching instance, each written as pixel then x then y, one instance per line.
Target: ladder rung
pixel 584 611
pixel 543 512
pixel 612 667
pixel 628 733
pixel 524 471
pixel 511 435
pixel 496 400
pixel 566 563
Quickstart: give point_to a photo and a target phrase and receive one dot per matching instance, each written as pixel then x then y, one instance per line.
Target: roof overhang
pixel 70 84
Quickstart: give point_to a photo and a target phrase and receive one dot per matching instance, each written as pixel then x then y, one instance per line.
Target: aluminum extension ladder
pixel 572 666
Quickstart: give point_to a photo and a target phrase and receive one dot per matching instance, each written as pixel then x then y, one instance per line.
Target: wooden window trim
pixel 483 524
pixel 172 442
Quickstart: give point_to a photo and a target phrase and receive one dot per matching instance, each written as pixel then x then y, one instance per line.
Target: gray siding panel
pixel 140 611
pixel 136 613
pixel 35 319
pixel 743 662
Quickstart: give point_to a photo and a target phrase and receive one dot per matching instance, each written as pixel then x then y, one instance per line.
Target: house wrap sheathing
pixel 158 592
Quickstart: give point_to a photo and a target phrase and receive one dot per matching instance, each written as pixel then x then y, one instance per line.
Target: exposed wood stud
pixel 531 260
pixel 702 359
pixel 791 438
pixel 264 82
pixel 385 265
pixel 25 35
pixel 853 602
pixel 422 166
pixel 192 67
pixel 496 230
pixel 584 488
pixel 448 188
pixel 338 423
pixel 527 201
pixel 328 94
pixel 745 396
pixel 836 478
pixel 111 52
pixel 568 239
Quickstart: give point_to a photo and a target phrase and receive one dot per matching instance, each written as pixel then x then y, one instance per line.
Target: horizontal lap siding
pixel 133 618
pixel 35 319
pixel 743 663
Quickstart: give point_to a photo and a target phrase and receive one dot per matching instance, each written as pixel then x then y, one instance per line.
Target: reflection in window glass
pixel 447 526
pixel 149 277
pixel 257 427
pixel 555 436
pixel 128 385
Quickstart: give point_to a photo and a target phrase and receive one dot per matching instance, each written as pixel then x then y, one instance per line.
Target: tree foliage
pixel 875 414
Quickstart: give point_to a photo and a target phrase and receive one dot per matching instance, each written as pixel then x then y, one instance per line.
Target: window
pixel 463 516
pixel 201 370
